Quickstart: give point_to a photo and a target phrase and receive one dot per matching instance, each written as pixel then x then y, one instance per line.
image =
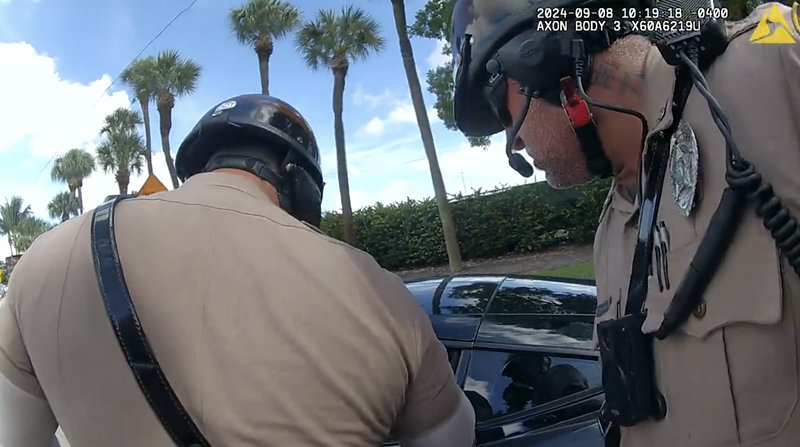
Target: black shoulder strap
pixel 131 338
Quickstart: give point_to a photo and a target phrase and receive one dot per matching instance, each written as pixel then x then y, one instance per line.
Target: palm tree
pixel 12 217
pixel 121 118
pixel 139 77
pixel 333 41
pixel 31 228
pixel 174 77
pixel 259 23
pixel 407 53
pixel 122 151
pixel 62 206
pixel 73 168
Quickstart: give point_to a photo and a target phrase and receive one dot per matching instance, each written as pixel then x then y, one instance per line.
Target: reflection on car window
pixel 502 383
pixel 423 291
pixel 466 295
pixel 522 295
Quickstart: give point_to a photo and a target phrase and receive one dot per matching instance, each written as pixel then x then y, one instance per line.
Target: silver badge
pixel 683 167
pixel 224 106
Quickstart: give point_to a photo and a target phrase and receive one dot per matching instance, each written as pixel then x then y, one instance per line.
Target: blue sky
pixel 58 56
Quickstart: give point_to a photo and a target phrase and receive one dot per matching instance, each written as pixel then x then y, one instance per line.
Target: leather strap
pixel 122 315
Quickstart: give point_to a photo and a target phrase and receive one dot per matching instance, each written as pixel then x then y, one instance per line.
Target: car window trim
pixel 580 353
pixel 545 408
pixel 465 347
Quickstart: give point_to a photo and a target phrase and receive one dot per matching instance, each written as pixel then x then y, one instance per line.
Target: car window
pixel 503 383
pixel 530 296
pixel 466 295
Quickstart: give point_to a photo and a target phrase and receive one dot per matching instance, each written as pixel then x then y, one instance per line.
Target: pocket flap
pixel 745 289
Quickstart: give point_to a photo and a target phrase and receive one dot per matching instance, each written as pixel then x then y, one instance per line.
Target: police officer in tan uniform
pixel 728 373
pixel 269 332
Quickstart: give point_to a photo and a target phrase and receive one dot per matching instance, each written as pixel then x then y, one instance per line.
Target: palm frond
pixel 274 18
pixel 334 38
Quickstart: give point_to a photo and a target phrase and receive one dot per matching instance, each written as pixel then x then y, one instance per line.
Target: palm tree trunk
pixel 64 217
pixel 80 199
pixel 448 227
pixel 144 103
pixel 10 245
pixel 123 179
pixel 341 156
pixel 165 116
pixel 263 69
pixel 73 192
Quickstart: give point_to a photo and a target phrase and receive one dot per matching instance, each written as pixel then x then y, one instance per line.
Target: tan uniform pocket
pixel 729 374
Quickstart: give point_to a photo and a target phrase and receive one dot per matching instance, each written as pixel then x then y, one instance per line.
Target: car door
pixel 527 396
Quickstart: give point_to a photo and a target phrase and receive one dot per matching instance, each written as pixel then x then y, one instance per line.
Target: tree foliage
pixel 433 22
pixel 521 219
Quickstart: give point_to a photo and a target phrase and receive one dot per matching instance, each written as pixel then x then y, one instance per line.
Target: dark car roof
pixel 509 309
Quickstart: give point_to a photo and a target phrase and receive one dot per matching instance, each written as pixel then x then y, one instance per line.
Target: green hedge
pixel 521 219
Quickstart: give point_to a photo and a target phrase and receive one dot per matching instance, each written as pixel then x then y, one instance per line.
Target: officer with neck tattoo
pixel 723 371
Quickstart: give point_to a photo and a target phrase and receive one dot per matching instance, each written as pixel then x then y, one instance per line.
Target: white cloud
pixel 44 112
pixel 436 58
pixel 464 169
pixel 473 168
pixel 375 126
pixel 362 98
pixel 396 190
pixel 401 113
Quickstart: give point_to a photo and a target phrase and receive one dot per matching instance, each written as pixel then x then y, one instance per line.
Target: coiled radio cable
pixel 743 178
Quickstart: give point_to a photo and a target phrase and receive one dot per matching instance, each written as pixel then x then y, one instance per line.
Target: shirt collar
pixel 227 180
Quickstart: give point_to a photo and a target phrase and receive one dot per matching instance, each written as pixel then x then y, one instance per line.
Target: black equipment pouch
pixel 628 377
pixel 125 322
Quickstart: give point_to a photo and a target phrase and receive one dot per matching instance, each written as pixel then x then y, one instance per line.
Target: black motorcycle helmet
pixel 496 40
pixel 264 125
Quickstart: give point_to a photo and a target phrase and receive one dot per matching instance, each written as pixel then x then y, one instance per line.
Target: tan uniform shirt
pixel 270 333
pixel 730 373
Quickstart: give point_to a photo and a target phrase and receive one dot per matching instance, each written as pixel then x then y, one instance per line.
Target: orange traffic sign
pixel 151 186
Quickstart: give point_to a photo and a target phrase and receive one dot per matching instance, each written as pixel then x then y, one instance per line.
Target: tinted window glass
pixel 517 295
pixel 466 295
pixel 501 383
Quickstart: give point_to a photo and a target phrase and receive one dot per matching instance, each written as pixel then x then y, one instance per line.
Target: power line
pixel 150 42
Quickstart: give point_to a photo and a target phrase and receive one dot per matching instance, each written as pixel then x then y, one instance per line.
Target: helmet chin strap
pixel 257 168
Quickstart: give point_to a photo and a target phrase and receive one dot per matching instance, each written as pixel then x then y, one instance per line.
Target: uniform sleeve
pixel 14 362
pixel 791 63
pixel 433 396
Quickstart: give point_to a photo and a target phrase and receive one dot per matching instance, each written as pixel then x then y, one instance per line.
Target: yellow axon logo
pixel 781 31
